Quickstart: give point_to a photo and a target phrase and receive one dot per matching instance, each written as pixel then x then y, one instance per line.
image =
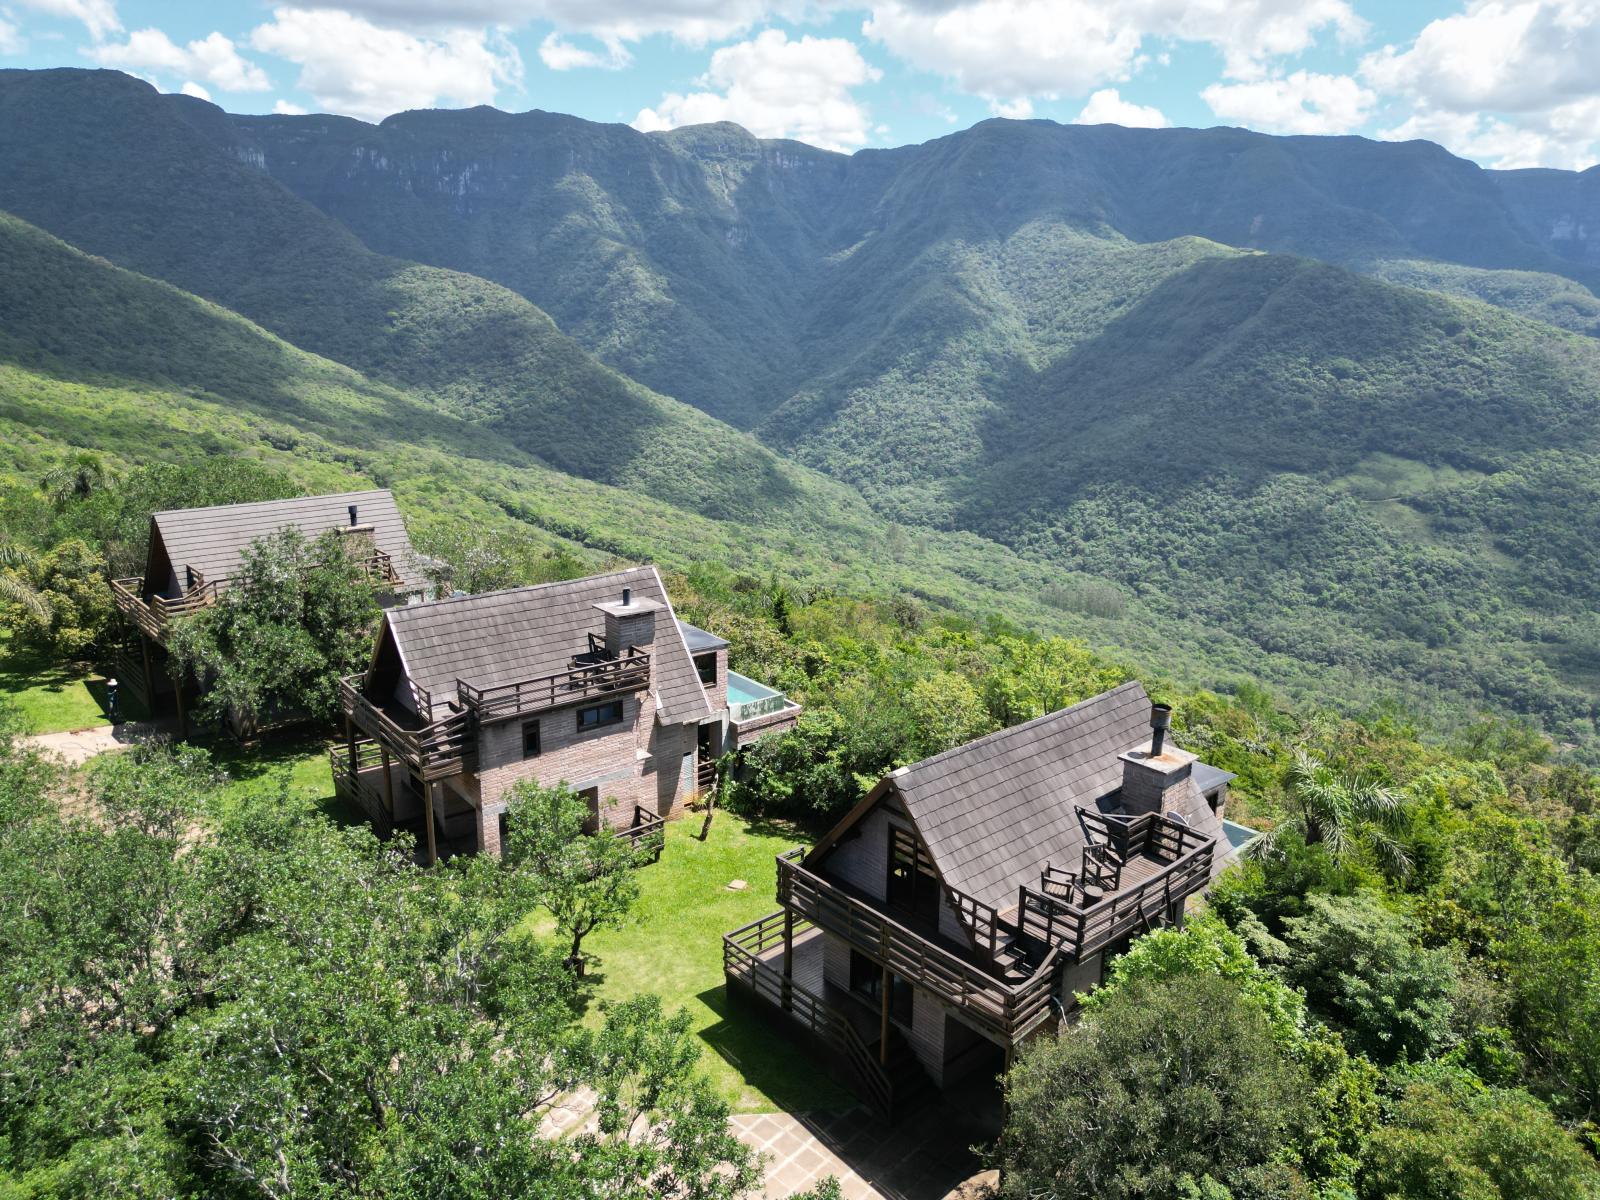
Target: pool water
pixel 1239 835
pixel 745 691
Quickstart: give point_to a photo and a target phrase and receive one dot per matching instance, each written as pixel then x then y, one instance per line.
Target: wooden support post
pixel 787 986
pixel 427 803
pixel 350 741
pixel 177 690
pixel 149 688
pixel 388 779
pixel 883 1030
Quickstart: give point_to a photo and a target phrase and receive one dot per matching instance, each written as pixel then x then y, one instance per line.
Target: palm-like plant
pixel 74 479
pixel 16 587
pixel 1341 813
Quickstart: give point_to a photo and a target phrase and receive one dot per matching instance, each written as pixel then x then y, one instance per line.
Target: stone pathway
pixel 926 1156
pixel 78 746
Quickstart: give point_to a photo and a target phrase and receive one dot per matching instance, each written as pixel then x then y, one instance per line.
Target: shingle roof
pixel 993 812
pixel 502 637
pixel 211 540
pixel 698 639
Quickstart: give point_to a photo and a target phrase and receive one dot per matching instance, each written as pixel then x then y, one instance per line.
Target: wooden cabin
pixel 590 682
pixel 956 910
pixel 194 553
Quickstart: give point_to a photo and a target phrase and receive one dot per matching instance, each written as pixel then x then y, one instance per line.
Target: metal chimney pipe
pixel 1160 722
pixel 352 514
pixel 627 596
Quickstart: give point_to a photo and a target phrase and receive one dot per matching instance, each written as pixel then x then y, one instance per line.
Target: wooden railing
pixel 379 567
pixel 648 833
pixel 152 617
pixel 349 786
pixel 1083 930
pixel 1007 1011
pixel 981 920
pixel 629 673
pixel 742 964
pixel 436 750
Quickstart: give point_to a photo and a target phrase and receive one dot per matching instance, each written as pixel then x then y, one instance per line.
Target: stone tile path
pixel 77 746
pixel 925 1156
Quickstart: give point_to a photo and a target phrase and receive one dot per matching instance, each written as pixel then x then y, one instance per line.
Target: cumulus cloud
pixel 557 53
pixel 99 17
pixel 10 38
pixel 214 59
pixel 1009 49
pixel 1304 102
pixel 775 87
pixel 1019 109
pixel 1508 82
pixel 359 69
pixel 284 109
pixel 1107 107
pixel 191 88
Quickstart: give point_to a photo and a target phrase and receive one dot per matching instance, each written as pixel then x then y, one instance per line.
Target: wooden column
pixel 388 779
pixel 427 803
pixel 149 677
pixel 883 1030
pixel 787 987
pixel 350 741
pixel 177 690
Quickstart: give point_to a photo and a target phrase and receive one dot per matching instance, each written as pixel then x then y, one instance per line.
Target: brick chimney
pixel 630 621
pixel 1159 777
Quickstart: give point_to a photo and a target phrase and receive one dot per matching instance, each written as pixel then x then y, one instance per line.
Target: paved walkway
pixel 77 746
pixel 926 1156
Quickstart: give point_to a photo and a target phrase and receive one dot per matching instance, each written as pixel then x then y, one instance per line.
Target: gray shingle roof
pixel 993 812
pixel 211 540
pixel 502 637
pixel 698 639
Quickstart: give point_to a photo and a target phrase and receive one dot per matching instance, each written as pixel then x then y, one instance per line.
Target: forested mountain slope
pixel 1064 340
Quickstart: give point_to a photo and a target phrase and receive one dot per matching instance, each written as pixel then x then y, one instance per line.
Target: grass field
pixel 672 945
pixel 53 696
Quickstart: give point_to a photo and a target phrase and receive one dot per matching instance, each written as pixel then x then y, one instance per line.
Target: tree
pixel 1167 1083
pixel 718 794
pixel 1357 962
pixel 296 618
pixel 586 881
pixel 1447 1137
pixel 1341 812
pixel 59 601
pixel 77 477
pixel 947 712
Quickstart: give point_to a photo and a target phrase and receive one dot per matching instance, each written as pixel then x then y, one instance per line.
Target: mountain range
pixel 1318 410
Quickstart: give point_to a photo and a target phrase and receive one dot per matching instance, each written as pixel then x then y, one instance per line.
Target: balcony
pixel 588 675
pixel 152 617
pixel 433 749
pixel 1007 1010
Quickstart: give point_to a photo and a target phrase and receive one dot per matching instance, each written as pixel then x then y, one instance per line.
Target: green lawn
pixel 672 945
pixel 55 696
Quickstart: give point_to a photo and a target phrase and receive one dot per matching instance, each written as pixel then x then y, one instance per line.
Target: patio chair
pixel 1058 883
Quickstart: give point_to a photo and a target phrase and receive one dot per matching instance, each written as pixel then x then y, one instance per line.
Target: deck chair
pixel 1102 869
pixel 1058 883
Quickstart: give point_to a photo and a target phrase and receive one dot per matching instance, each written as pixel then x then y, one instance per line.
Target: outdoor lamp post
pixel 111 702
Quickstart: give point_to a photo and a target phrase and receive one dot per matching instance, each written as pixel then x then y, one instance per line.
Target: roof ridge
pixel 1012 731
pixel 172 512
pixel 526 587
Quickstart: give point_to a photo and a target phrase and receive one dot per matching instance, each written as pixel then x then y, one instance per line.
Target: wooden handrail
pixel 741 962
pixel 628 673
pixel 436 750
pixel 1008 1011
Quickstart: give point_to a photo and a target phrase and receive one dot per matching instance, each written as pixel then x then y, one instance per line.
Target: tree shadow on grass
pixel 767 1059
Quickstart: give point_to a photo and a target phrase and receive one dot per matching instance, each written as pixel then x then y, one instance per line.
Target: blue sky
pixel 1509 83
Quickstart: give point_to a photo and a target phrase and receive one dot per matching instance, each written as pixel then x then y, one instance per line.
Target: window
pixel 597 716
pixel 706 664
pixel 913 883
pixel 866 981
pixel 530 739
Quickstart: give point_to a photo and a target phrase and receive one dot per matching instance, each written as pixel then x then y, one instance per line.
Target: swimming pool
pixel 1239 836
pixel 747 698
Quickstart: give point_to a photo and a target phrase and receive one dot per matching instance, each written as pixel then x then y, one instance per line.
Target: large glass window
pixel 596 716
pixel 913 883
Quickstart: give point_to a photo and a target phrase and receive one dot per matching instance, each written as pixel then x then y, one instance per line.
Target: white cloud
pixel 1304 102
pixel 1107 107
pixel 1507 82
pixel 1009 49
pixel 353 67
pixel 191 88
pixel 11 38
pixel 695 22
pixel 214 59
pixel 561 55
pixel 775 87
pixel 1019 109
pixel 99 17
pixel 284 109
